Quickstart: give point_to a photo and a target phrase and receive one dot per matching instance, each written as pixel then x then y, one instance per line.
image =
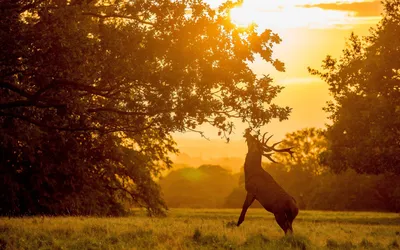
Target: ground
pixel 204 229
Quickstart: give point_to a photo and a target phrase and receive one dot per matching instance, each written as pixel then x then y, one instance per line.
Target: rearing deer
pixel 261 186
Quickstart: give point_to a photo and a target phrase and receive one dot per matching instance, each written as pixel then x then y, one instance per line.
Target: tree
pixel 91 92
pixel 308 145
pixel 365 85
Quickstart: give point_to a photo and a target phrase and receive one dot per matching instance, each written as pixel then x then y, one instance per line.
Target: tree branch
pixel 116 16
pixel 79 86
pixel 129 129
pixel 199 132
pixel 15 89
pixel 43 125
pixel 16 104
pixel 134 196
pixel 121 112
pixel 33 98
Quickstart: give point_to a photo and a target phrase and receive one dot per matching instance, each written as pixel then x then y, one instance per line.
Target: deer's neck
pixel 252 162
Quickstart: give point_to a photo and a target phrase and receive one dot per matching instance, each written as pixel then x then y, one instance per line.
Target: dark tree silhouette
pixel 365 85
pixel 90 94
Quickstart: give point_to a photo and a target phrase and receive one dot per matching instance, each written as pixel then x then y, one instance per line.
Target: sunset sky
pixel 310 30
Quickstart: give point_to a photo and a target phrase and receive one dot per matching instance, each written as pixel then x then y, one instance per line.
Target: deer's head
pixel 257 145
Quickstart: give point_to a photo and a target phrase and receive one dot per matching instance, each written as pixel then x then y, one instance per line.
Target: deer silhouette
pixel 261 186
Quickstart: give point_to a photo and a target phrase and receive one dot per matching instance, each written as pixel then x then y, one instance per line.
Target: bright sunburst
pixel 286 14
pixel 242 16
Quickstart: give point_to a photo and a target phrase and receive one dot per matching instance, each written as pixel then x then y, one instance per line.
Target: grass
pixel 204 229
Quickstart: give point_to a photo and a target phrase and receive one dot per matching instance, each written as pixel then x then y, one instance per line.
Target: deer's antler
pixel 272 148
pixel 269 157
pixel 264 143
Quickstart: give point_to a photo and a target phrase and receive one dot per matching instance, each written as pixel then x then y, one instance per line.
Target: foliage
pixel 308 144
pixel 365 85
pixel 91 92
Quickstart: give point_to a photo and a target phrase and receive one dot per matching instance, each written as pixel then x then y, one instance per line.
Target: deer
pixel 260 185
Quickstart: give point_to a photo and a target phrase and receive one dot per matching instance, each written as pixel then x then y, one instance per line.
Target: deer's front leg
pixel 247 203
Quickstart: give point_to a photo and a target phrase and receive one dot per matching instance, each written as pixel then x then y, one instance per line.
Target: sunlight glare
pixel 286 14
pixel 243 16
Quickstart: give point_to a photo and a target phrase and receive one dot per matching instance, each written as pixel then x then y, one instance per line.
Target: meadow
pixel 203 229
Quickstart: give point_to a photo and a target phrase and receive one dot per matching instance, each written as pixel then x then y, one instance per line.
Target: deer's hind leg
pixel 247 203
pixel 283 222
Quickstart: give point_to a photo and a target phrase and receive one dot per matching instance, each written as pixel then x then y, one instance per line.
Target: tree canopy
pixel 365 85
pixel 308 145
pixel 91 92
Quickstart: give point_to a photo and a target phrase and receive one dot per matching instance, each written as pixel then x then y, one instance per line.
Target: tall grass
pixel 204 229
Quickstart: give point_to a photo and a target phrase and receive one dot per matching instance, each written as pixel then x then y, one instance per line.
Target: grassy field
pixel 204 229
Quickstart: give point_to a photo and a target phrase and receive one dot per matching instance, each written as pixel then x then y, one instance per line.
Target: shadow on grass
pixel 394 245
pixel 347 220
pixel 258 241
pixel 333 244
pixel 359 221
pixel 364 244
pixel 211 240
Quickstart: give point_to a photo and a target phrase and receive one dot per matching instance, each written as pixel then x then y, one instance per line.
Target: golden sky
pixel 310 30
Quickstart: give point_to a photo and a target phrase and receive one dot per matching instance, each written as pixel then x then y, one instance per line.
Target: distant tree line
pixel 345 191
pixel 314 185
pixel 211 186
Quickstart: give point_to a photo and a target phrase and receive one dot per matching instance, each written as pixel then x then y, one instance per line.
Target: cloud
pixel 361 9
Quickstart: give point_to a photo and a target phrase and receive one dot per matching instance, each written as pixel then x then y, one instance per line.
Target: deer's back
pixel 267 191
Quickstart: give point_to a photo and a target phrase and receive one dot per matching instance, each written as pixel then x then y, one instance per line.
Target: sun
pixel 243 15
pixel 285 14
pixel 253 11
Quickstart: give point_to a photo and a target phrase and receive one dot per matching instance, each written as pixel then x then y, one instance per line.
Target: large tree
pixel 365 85
pixel 91 92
